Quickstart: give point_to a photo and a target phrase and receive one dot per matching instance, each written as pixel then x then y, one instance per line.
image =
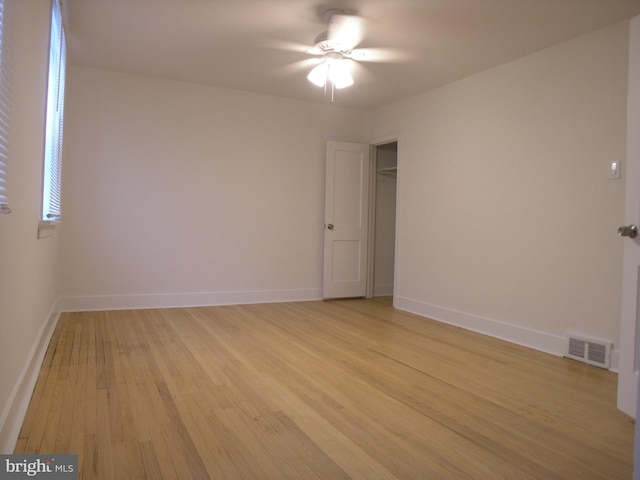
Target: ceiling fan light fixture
pixel 340 75
pixel 333 69
pixel 336 45
pixel 318 76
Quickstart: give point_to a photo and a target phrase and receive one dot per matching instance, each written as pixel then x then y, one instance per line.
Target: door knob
pixel 330 226
pixel 630 231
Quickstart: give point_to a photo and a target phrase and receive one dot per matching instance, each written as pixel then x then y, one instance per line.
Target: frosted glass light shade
pixel 336 71
pixel 318 76
pixel 339 75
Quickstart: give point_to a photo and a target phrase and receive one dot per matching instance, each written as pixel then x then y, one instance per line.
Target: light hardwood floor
pixel 349 389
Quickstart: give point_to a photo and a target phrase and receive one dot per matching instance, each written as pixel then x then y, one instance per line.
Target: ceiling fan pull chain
pixel 329 79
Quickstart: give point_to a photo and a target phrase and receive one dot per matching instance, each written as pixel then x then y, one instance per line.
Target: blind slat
pixel 55 115
pixel 5 113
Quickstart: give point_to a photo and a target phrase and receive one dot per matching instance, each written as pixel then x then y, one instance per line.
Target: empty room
pixel 290 239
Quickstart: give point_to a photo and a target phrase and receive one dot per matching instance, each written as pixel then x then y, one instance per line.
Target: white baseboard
pixel 176 300
pixel 13 416
pixel 541 341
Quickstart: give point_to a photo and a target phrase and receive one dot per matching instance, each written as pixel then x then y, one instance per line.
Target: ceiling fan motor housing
pixel 330 12
pixel 322 42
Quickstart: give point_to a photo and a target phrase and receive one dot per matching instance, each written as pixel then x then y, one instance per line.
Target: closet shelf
pixel 388 172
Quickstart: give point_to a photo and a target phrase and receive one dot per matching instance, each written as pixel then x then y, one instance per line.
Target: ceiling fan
pixel 336 47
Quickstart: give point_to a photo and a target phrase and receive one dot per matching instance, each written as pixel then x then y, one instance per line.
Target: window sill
pixel 46 228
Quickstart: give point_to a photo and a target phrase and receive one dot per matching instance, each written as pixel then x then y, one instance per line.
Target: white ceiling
pixel 258 45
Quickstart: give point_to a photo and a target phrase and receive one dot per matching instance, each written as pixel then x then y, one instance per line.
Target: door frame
pixel 628 398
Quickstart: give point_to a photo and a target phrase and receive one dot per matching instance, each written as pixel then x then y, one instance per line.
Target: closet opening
pixel 384 188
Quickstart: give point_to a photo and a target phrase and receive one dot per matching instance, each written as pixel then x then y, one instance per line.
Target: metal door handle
pixel 630 231
pixel 330 226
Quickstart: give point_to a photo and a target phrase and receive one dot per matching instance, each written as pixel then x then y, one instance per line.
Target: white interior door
pixel 628 371
pixel 346 220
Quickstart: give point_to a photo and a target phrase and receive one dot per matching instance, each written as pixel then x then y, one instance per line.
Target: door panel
pixel 346 265
pixel 347 188
pixel 346 220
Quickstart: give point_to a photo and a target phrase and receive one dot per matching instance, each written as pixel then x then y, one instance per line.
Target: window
pixel 55 115
pixel 5 103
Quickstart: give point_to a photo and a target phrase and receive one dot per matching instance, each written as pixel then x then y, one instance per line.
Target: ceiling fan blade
pixel 381 55
pixel 314 51
pixel 276 44
pixel 296 67
pixel 346 31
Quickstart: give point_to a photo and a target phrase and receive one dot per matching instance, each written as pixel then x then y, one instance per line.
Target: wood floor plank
pixel 348 389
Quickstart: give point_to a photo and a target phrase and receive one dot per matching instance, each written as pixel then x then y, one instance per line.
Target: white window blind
pixel 55 116
pixel 5 113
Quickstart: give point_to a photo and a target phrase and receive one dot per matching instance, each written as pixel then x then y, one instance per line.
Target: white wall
pixel 27 265
pixel 507 221
pixel 183 194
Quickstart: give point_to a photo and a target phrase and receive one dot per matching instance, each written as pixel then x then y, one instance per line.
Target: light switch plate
pixel 614 170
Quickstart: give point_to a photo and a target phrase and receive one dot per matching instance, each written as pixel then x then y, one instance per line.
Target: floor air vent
pixel 588 350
